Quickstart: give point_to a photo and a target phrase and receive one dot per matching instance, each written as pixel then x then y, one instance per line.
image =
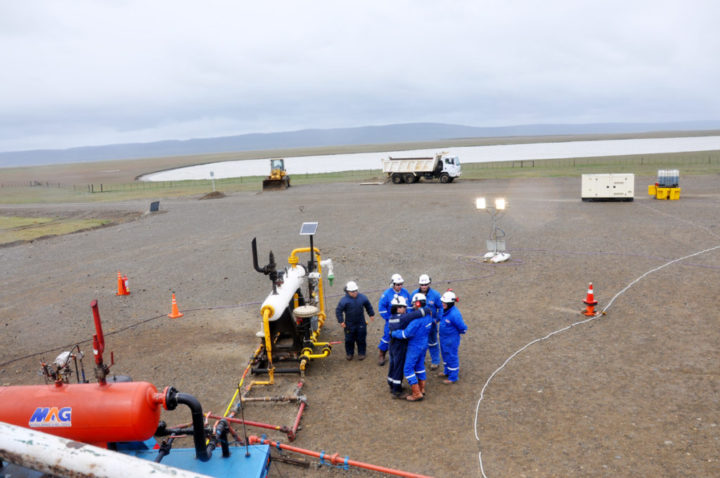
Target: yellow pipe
pixel 267 311
pixel 307 353
pixel 232 400
pixel 322 316
pixel 324 354
pixel 293 261
pixel 320 295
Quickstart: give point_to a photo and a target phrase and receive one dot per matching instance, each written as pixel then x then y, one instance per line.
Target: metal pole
pixel 61 457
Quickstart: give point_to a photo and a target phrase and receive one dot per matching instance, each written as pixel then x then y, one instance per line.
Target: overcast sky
pixel 93 72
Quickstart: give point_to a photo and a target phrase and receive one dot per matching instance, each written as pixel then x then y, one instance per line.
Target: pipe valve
pixel 329 264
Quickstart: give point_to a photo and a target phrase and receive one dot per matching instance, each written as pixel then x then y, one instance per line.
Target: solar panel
pixel 308 228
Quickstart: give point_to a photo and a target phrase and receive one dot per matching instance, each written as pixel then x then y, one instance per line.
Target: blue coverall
pixel 432 300
pixel 451 326
pixel 350 311
pixel 398 348
pixel 384 311
pixel 417 334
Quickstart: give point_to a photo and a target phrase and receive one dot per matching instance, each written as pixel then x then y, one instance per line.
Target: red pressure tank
pixel 85 412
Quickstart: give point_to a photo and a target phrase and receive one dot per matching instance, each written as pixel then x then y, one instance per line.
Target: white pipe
pixel 328 265
pixel 293 279
pixel 62 457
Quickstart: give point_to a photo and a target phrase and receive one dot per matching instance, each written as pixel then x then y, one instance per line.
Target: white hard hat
pixel 449 297
pixel 424 280
pixel 351 286
pixel 399 301
pixel 419 297
pixel 396 279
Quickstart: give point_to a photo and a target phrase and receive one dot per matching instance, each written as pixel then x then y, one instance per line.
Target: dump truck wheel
pixel 445 178
pixel 397 179
pixel 410 178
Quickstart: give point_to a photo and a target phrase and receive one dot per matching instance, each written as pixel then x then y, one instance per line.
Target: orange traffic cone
pixel 175 313
pixel 590 302
pixel 122 289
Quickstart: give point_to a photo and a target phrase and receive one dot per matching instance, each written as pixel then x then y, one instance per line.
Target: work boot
pixel 349 357
pixel 381 358
pixel 416 395
pixel 361 357
pixel 422 386
pixel 397 392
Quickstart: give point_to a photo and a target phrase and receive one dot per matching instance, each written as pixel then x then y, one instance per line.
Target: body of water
pixel 469 154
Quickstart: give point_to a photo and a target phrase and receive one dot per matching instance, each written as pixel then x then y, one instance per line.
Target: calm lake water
pixel 470 154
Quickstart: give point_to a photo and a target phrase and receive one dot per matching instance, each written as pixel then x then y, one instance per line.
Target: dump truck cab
pixel 450 168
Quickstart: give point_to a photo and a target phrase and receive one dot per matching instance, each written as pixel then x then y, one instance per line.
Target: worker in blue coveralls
pixel 350 314
pixel 416 334
pixel 396 289
pixel 433 302
pixel 451 326
pixel 399 319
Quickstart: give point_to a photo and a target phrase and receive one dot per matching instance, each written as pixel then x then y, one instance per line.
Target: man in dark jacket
pixel 350 316
pixel 399 319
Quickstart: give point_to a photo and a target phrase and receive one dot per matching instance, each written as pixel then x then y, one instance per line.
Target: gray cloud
pixel 87 72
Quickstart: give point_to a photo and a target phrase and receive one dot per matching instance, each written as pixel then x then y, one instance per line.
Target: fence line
pixel 699 158
pixel 675 159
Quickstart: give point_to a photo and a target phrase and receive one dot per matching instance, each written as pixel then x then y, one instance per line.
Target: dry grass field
pixel 635 392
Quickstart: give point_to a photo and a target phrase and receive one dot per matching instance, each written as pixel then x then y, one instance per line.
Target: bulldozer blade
pixel 274 184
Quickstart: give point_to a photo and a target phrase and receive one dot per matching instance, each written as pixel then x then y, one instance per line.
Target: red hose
pixel 283 428
pixel 334 459
pixel 297 422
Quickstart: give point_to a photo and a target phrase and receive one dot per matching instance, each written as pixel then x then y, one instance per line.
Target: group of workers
pixel 412 325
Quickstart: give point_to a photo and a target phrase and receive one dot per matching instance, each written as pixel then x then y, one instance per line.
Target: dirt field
pixel 633 393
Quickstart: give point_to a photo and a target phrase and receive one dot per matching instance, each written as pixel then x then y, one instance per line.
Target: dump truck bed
pixel 408 165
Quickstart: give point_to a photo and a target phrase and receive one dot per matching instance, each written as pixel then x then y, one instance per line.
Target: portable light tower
pixel 496 243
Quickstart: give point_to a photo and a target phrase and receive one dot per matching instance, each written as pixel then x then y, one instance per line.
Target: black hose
pixel 277 370
pixel 172 398
pixel 164 450
pixel 222 435
pixel 255 257
pixel 198 424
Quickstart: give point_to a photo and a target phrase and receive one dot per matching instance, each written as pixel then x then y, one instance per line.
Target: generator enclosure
pixel 608 187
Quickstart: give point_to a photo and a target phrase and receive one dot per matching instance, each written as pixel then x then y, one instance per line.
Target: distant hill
pixel 396 133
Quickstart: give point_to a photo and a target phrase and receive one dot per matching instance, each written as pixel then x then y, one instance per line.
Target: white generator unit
pixel 608 187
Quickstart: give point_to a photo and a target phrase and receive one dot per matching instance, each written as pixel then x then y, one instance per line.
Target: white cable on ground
pixel 599 315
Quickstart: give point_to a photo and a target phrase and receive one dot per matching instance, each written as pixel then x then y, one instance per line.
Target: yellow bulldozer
pixel 278 178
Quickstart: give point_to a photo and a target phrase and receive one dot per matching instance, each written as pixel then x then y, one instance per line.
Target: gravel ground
pixel 633 393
